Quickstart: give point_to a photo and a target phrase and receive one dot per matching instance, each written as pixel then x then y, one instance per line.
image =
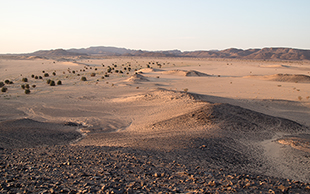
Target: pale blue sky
pixel 30 25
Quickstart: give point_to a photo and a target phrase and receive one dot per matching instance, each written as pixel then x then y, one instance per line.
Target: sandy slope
pixel 224 120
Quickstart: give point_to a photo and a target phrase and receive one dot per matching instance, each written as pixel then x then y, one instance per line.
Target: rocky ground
pixel 91 169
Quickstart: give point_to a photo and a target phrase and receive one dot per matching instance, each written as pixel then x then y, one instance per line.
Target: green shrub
pixel 83 79
pixel 95 69
pixel 54 73
pixel 32 76
pixel 1 84
pixel 27 91
pixel 11 82
pixel 46 75
pixel 48 81
pixel 59 82
pixel 36 77
pixel 25 79
pixel 52 83
pixel 33 86
pixel 40 77
pixel 23 86
pixel 73 72
pixel 7 81
pixel 43 71
pixel 27 86
pixel 4 89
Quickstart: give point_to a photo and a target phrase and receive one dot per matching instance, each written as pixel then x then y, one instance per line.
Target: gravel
pixel 94 169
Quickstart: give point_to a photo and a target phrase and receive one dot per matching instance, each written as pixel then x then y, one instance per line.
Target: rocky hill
pixel 265 53
pixel 261 54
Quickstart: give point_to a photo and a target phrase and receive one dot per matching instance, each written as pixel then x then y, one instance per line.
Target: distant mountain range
pixel 265 53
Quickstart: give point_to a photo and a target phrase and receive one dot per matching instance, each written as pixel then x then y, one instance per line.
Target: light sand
pixel 163 109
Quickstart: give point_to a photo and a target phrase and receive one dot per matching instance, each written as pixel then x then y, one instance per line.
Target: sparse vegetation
pixel 299 98
pixel 83 78
pixel 185 90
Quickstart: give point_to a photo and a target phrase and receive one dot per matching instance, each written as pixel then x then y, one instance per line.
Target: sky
pixel 188 25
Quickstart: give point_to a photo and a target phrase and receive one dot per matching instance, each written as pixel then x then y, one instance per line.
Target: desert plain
pixel 150 125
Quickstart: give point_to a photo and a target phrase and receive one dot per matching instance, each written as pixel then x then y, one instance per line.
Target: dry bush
pixel 27 91
pixel 4 89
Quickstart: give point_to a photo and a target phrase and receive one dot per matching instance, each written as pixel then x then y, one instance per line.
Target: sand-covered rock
pixel 24 133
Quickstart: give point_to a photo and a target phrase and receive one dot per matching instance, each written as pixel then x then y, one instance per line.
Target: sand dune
pixel 298 78
pixel 190 73
pixel 137 78
pixel 241 126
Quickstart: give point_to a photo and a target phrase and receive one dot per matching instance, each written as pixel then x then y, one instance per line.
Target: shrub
pixel 83 79
pixel 95 69
pixel 25 79
pixel 73 72
pixel 116 71
pixel 27 91
pixel 59 82
pixel 48 81
pixel 32 76
pixel 4 89
pixel 102 77
pixel 40 77
pixel 93 74
pixel 43 71
pixel 27 86
pixel 106 75
pixel 7 81
pixel 11 82
pixel 46 75
pixel 23 86
pixel 52 83
pixel 1 84
pixel 54 73
pixel 36 77
pixel 33 86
